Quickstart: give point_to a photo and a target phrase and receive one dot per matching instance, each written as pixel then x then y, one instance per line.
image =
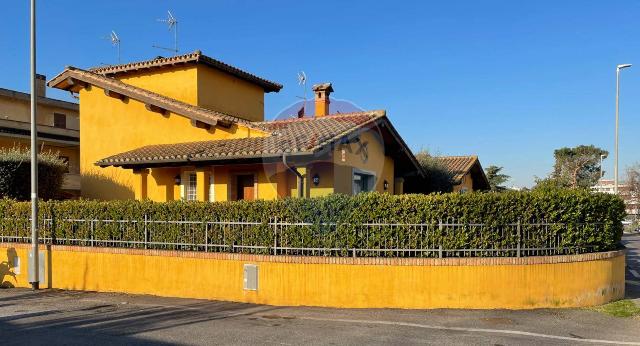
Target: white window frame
pixel 185 186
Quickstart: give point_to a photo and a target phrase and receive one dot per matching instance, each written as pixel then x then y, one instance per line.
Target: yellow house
pixel 467 173
pixel 192 127
pixel 58 127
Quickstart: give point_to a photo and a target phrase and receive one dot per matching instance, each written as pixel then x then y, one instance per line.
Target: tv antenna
pixel 172 23
pixel 302 81
pixel 115 41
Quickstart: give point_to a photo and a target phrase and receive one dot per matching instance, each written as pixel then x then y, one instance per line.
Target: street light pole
pixel 34 157
pixel 601 169
pixel 615 168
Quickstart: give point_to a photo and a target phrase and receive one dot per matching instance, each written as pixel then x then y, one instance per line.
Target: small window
pixel 362 182
pixel 59 120
pixel 191 194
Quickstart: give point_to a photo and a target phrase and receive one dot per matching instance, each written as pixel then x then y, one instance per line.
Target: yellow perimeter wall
pixel 523 283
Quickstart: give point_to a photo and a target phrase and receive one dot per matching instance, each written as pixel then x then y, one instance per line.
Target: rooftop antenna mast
pixel 302 81
pixel 115 41
pixel 172 23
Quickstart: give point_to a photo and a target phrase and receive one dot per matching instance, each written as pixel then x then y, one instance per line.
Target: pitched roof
pixel 72 78
pixel 304 136
pixel 18 95
pixel 191 58
pixel 458 166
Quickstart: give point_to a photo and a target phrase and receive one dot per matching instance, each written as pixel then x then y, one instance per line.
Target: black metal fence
pixel 280 237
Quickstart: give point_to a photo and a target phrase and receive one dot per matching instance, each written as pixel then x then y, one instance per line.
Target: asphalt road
pixel 54 317
pixel 632 290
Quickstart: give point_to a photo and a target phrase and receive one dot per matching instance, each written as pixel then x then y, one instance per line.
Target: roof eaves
pixel 180 159
pixel 175 106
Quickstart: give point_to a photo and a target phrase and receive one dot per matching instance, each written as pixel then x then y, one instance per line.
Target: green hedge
pixel 15 172
pixel 602 214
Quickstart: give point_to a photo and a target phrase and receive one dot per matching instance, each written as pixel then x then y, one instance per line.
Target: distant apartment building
pixel 632 202
pixel 58 128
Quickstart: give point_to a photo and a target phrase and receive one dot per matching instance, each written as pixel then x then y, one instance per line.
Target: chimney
pixel 41 85
pixel 322 92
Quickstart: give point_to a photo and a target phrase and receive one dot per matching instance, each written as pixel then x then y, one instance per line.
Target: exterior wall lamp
pixel 386 185
pixel 316 179
pixel 177 179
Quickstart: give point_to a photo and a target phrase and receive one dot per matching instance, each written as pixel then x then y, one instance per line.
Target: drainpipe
pixel 298 174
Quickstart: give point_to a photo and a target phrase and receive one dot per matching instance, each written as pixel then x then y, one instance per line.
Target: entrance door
pixel 245 187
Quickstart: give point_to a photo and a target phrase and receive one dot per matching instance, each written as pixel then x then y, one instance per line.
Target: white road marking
pixel 634 273
pixel 474 330
pixel 634 283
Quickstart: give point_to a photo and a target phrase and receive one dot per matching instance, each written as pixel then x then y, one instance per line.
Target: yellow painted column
pixel 305 181
pixel 398 186
pixel 281 181
pixel 221 183
pixel 202 184
pixel 141 177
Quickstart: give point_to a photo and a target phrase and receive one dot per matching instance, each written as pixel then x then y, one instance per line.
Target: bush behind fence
pixel 365 225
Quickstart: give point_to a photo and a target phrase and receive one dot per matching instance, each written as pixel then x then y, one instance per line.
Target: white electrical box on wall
pixel 250 277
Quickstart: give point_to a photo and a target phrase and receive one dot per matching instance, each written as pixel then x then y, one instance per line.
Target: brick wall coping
pixel 471 261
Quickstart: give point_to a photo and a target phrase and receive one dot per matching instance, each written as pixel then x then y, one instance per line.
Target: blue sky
pixel 506 80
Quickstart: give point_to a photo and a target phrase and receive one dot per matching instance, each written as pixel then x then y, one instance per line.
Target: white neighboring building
pixel 632 202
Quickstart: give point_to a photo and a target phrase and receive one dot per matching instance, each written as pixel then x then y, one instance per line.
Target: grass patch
pixel 620 308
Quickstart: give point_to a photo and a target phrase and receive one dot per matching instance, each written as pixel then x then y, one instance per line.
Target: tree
pixel 439 179
pixel 633 178
pixel 496 179
pixel 633 185
pixel 577 167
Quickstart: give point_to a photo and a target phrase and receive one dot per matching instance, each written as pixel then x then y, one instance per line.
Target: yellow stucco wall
pixel 203 86
pixel 110 126
pixel 225 93
pixel 574 283
pixel 179 82
pixel 466 184
pixel 347 158
pixel 161 186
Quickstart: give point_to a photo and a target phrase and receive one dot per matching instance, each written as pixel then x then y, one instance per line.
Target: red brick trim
pixel 473 261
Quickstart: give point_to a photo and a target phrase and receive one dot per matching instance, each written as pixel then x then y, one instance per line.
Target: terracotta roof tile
pixel 458 166
pixel 295 136
pixel 195 57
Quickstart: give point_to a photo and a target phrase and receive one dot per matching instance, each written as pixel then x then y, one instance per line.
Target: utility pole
pixel 615 168
pixel 34 157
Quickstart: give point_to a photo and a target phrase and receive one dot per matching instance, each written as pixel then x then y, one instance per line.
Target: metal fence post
pixel 206 236
pixel 275 235
pixel 440 227
pixel 146 232
pixel 92 233
pixel 519 238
